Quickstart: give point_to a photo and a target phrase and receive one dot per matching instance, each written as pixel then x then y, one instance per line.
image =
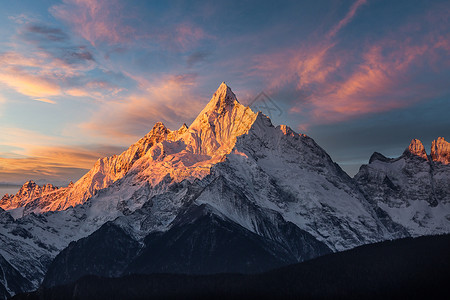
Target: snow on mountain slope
pixel 30 243
pixel 162 159
pixel 414 189
pixel 184 153
pixel 234 161
pixel 289 173
pixel 105 171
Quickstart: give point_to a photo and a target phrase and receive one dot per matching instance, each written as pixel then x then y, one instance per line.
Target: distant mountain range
pixel 229 193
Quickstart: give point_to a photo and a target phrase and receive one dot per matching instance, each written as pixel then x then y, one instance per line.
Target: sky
pixel 84 79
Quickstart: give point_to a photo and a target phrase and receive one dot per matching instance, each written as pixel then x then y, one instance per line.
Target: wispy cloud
pixel 28 84
pixel 33 155
pixel 48 32
pixel 44 63
pixel 334 84
pixel 348 17
pixel 103 22
pixel 45 100
pixel 95 20
pixel 170 100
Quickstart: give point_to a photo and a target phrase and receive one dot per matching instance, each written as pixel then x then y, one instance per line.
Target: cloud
pixel 102 22
pixel 187 35
pixel 348 17
pixel 170 100
pixel 47 32
pixel 55 45
pixel 196 57
pixel 333 83
pixel 28 84
pixel 45 100
pixel 33 155
pixel 44 64
pixel 95 20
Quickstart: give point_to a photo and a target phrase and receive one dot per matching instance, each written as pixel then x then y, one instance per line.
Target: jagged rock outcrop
pixel 440 151
pixel 414 189
pixel 27 193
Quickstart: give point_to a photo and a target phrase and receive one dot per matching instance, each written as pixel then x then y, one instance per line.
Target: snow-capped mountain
pixel 414 189
pixel 27 193
pixel 230 171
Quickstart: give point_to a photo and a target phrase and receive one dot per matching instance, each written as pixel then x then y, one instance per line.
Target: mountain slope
pixel 269 182
pixel 184 153
pixel 386 270
pixel 11 281
pixel 200 242
pixel 414 189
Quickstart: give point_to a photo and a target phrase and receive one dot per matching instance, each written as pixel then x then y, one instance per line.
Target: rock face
pixel 199 242
pixel 231 172
pixel 414 189
pixel 27 193
pixel 11 281
pixel 416 149
pixel 440 151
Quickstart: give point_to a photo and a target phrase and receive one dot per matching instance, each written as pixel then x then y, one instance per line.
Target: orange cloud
pixel 169 100
pixel 39 75
pixel 28 84
pixel 36 156
pixel 45 100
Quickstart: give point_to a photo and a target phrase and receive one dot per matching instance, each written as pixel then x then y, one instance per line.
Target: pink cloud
pixel 348 17
pixel 187 35
pixel 170 100
pixel 103 21
pixel 40 75
pixel 95 20
pixel 335 84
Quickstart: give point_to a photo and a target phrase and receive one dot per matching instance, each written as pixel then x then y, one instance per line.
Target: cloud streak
pixel 334 84
pixel 36 156
pixel 170 100
pixel 45 100
pixel 95 20
pixel 102 22
pixel 348 17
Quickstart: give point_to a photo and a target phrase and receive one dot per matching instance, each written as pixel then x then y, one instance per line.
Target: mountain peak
pixel 159 126
pixel 416 148
pixel 223 100
pixel 440 151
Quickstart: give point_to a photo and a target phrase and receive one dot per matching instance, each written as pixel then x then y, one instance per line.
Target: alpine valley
pixel 231 193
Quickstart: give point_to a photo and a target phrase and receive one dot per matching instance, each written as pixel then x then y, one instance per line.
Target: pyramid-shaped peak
pixel 223 99
pixel 416 148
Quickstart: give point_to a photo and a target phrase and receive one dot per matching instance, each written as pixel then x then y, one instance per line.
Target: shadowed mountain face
pixel 200 242
pixel 402 269
pixel 275 194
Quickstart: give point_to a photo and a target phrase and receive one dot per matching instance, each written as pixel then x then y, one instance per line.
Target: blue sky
pixel 81 79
